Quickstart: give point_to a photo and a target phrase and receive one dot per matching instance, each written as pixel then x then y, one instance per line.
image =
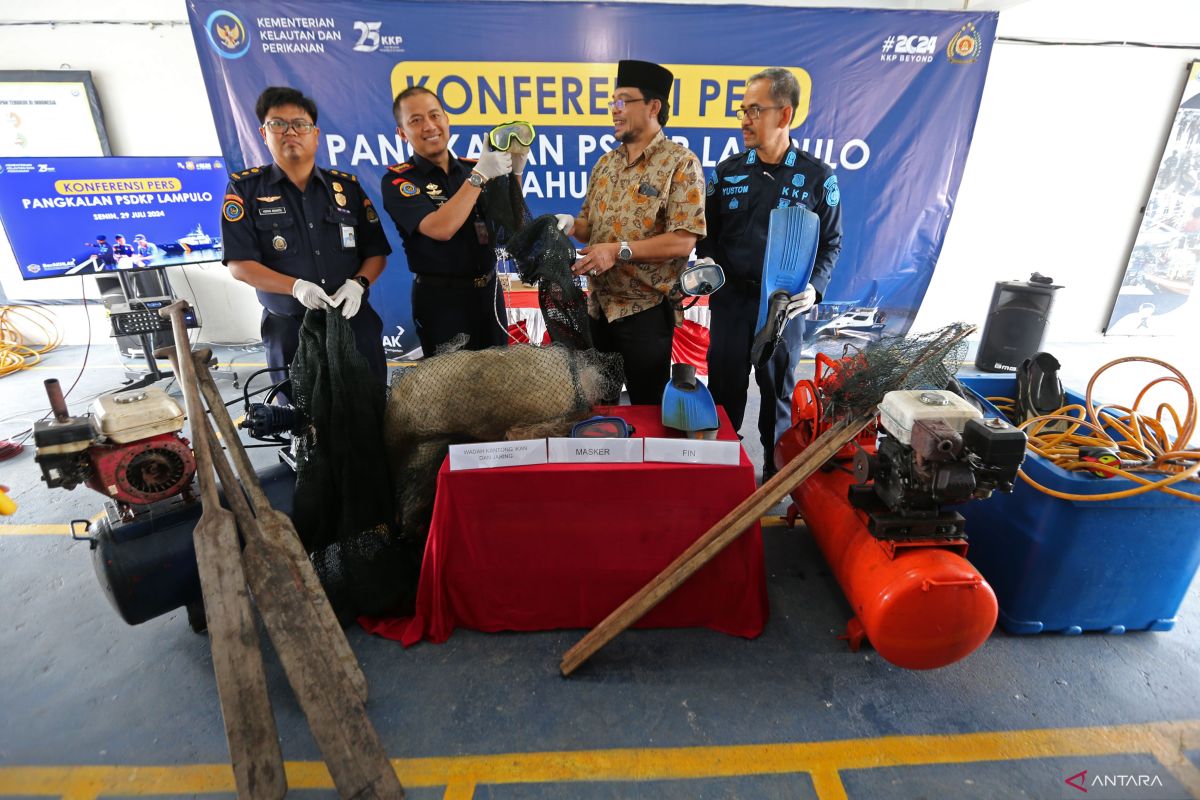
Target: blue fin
pixel 687 405
pixel 792 237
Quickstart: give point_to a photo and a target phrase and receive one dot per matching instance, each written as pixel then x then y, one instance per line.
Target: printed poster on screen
pixel 79 216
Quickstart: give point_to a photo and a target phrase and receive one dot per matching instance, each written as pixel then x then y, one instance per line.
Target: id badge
pixel 347 237
pixel 481 231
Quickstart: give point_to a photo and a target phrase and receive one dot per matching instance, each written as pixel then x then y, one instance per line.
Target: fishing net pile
pixel 543 255
pixel 343 501
pixel 927 360
pixel 459 396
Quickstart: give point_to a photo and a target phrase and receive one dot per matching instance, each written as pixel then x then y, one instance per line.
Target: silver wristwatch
pixel 477 180
pixel 626 252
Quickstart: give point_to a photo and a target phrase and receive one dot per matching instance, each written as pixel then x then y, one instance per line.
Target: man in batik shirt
pixel 643 214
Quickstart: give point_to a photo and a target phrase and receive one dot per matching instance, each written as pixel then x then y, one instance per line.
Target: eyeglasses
pixel 503 136
pixel 754 112
pixel 279 127
pixel 620 103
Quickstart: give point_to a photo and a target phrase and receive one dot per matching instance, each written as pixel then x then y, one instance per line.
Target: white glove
pixel 349 297
pixel 310 295
pixel 565 223
pixel 704 262
pixel 518 162
pixel 802 302
pixel 493 164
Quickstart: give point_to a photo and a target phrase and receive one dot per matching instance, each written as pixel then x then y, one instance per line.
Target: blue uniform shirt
pixel 740 195
pixel 322 234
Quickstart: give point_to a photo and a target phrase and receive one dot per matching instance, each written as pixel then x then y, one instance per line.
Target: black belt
pixel 453 282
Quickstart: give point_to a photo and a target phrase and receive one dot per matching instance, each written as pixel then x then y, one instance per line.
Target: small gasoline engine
pixel 129 447
pixel 934 449
pixel 899 556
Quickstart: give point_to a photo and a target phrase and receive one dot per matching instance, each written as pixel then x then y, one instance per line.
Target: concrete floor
pixel 92 707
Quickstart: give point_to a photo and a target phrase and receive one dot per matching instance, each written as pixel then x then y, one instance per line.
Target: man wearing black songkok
pixel 643 214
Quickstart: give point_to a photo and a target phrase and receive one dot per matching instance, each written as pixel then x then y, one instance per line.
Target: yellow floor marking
pixel 8 529
pixel 461 789
pixel 823 761
pixel 42 529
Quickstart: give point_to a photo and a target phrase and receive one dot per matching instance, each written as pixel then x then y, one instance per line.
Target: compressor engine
pixel 934 449
pixel 898 554
pixel 129 447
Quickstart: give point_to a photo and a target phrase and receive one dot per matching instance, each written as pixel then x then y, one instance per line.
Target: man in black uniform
pixel 303 236
pixel 770 173
pixel 433 200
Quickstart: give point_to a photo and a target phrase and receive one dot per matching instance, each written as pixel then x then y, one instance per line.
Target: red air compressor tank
pixel 919 602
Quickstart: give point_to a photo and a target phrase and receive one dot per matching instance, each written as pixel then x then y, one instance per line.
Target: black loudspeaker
pixel 1016 323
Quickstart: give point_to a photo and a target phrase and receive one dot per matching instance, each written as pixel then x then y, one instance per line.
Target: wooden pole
pixel 237 660
pixel 716 539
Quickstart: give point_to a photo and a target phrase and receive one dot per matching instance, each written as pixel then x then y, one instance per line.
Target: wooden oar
pixel 348 742
pixel 237 661
pixel 276 527
pixel 338 731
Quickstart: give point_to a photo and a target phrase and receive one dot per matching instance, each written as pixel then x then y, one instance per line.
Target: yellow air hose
pixel 1141 438
pixel 16 351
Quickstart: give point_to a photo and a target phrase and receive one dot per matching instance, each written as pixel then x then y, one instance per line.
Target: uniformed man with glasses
pixel 643 214
pixel 771 172
pixel 303 236
pixel 433 199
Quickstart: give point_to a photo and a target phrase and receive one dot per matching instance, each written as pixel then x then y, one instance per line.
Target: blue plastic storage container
pixel 1068 567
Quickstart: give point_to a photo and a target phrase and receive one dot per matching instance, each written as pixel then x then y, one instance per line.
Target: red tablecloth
pixel 562 545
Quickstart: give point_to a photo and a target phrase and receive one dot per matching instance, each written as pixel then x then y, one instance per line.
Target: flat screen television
pixel 81 216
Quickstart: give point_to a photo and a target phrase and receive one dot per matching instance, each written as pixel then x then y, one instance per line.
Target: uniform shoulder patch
pixel 408 188
pixel 232 208
pixel 399 169
pixel 833 195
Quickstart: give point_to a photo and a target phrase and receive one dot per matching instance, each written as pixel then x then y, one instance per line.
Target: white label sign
pixel 485 455
pixel 595 451
pixel 693 451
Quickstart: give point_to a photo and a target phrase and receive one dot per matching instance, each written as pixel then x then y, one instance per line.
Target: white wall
pixel 1065 150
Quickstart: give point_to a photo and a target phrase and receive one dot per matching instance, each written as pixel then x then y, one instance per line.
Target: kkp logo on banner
pixel 370 40
pixel 227 34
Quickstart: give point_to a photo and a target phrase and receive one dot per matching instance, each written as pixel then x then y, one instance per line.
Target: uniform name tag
pixel 693 451
pixel 269 210
pixel 598 450
pixel 486 455
pixel 347 236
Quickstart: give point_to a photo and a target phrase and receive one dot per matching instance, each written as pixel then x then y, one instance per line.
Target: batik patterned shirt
pixel 660 192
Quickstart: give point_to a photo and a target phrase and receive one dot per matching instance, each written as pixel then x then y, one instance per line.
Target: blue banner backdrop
pixel 890 100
